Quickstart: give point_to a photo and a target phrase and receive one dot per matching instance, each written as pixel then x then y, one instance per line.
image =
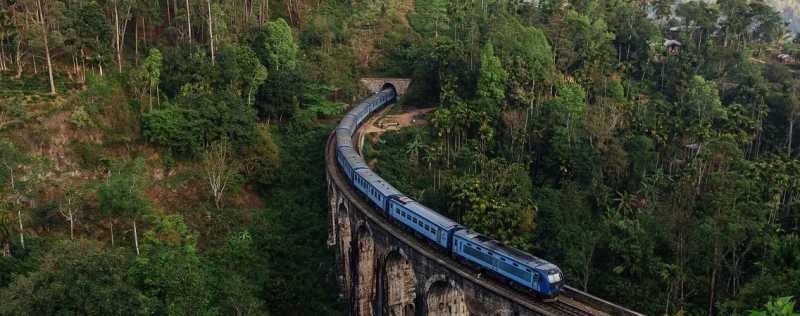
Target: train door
pixel 495 262
pixel 439 236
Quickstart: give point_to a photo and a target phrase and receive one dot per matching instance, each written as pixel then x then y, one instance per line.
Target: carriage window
pixel 515 264
pixel 397 211
pixel 504 259
pixel 490 253
pixel 415 220
pixel 427 227
pixel 420 223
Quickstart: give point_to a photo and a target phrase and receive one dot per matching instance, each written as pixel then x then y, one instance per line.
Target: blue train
pixel 520 269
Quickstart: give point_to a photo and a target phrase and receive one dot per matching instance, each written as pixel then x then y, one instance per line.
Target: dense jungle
pixel 166 157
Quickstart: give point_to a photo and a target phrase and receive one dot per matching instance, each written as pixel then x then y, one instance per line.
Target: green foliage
pixel 81 118
pixel 316 101
pixel 290 263
pixel 782 306
pixel 169 270
pixel 79 277
pixel 120 197
pixel 492 78
pixel 170 127
pixel 262 162
pixel 90 155
pixel 491 203
pixel 253 72
pixel 279 44
pixel 702 106
pixel 302 122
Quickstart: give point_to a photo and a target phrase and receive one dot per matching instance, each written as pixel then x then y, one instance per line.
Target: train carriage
pixel 348 123
pixel 515 265
pixel 423 220
pixel 350 161
pixel 343 138
pixel 374 187
pixel 361 112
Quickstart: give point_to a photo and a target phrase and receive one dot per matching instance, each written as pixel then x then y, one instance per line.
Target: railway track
pixel 567 309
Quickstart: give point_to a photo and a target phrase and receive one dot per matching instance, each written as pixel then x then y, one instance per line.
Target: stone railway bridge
pixel 382 270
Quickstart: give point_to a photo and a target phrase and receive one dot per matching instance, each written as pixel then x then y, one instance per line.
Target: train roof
pixel 353 158
pixel 343 138
pixel 348 122
pixel 361 107
pixel 429 214
pixel 508 251
pixel 376 181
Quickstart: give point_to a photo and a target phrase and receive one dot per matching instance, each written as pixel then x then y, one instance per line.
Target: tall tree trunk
pixel 189 20
pixel 117 43
pixel 19 59
pixel 136 40
pixel 40 18
pixel 135 237
pixel 21 238
pixel 211 31
pixel 791 131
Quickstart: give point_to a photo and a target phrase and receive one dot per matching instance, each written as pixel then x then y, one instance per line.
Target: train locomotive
pixel 520 269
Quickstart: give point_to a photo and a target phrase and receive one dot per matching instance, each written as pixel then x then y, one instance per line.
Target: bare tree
pixel 69 208
pixel 44 17
pixel 120 24
pixel 219 167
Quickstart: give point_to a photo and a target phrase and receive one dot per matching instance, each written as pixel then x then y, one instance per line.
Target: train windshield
pixel 553 276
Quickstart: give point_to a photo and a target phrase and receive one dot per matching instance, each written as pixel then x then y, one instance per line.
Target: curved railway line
pixel 560 307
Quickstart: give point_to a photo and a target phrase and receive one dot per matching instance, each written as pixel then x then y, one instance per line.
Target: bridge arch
pixel 444 298
pixel 365 263
pixel 401 291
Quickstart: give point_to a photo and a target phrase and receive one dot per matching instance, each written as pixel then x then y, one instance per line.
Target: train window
pixel 529 270
pixel 515 264
pixel 397 211
pixel 490 253
pixel 479 248
pixel 420 223
pixel 427 227
pixel 504 259
pixel 415 220
pixel 408 216
pixel 469 244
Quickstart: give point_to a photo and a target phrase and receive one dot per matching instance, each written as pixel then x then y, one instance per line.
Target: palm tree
pixel 625 203
pixel 412 149
pixel 430 157
pixel 663 8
